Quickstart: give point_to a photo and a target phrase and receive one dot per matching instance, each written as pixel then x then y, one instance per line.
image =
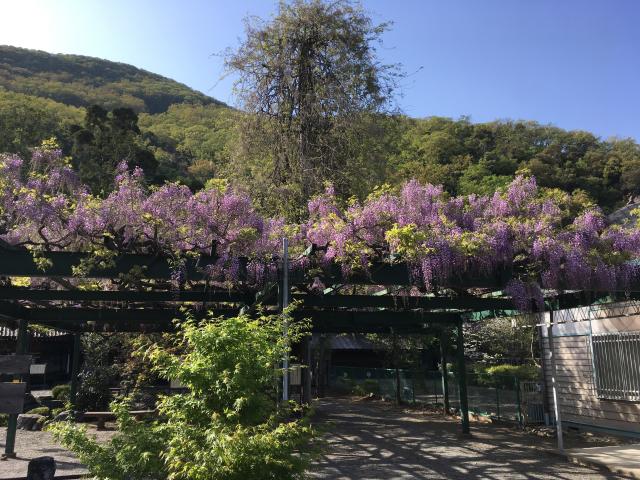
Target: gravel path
pixel 368 440
pixel 39 444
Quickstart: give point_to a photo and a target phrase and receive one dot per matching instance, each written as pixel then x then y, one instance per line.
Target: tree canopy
pixel 195 142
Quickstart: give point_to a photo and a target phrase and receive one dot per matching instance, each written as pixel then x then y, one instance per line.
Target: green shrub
pixel 371 386
pixel 40 411
pixel 4 419
pixel 226 426
pixel 56 411
pixel 504 376
pixel 523 372
pixel 344 385
pixel 358 390
pixel 61 392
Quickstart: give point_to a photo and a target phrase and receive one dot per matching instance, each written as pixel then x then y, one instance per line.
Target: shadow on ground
pixel 370 440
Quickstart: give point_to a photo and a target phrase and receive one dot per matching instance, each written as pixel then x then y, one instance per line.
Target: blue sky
pixel 571 63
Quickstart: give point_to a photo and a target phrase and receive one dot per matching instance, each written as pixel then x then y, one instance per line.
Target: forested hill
pixel 177 133
pixel 81 81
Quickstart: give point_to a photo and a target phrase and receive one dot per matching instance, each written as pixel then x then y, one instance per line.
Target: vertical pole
pixel 497 402
pixel 518 401
pixel 413 387
pixel 435 389
pixel 546 402
pixel 306 372
pixel 285 304
pixel 556 408
pixel 445 373
pixel 462 380
pixel 75 366
pixel 12 425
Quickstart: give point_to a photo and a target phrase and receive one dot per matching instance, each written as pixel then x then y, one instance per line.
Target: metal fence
pixel 499 397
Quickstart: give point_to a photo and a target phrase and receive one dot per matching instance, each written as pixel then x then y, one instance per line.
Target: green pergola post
pixel 462 380
pixel 75 366
pixel 445 373
pixel 21 348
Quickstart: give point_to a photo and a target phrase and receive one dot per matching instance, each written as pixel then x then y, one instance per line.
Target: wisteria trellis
pixel 44 206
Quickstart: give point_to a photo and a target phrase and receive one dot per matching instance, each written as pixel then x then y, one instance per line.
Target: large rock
pixel 30 402
pixel 41 468
pixel 30 421
pixel 69 415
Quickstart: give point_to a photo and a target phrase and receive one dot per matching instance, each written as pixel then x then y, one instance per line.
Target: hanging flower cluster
pixel 442 238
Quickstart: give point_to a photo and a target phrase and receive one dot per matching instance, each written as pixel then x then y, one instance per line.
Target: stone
pixel 69 415
pixel 30 402
pixel 30 421
pixel 41 468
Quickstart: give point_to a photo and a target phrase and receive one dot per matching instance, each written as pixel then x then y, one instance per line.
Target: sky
pixel 571 63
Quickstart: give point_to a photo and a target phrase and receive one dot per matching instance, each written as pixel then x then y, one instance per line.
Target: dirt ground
pixel 370 440
pixel 39 444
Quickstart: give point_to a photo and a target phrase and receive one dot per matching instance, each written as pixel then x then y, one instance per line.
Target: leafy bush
pixel 504 376
pixel 4 419
pixel 371 386
pixel 61 392
pixel 344 386
pixel 523 372
pixel 228 425
pixel 40 411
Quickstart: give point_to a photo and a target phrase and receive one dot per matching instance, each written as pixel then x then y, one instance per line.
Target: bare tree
pixel 308 75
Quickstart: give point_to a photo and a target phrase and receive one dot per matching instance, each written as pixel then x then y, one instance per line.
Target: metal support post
pixel 556 407
pixel 462 380
pixel 518 402
pixel 75 367
pixel 445 373
pixel 22 341
pixel 285 304
pixel 306 372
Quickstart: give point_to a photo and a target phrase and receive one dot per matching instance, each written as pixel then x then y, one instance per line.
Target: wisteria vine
pixel 43 206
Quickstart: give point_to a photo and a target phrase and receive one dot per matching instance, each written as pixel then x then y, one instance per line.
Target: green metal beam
pixel 20 263
pixel 405 302
pixel 462 379
pixel 384 273
pixel 13 293
pixel 22 343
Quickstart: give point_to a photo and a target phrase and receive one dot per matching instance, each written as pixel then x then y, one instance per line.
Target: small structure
pixel 591 356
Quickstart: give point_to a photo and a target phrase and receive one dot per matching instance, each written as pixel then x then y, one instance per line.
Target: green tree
pixel 106 139
pixel 229 424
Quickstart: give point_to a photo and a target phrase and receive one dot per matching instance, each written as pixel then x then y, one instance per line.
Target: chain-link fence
pixel 501 397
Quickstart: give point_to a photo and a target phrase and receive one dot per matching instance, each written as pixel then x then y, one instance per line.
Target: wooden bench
pixel 102 417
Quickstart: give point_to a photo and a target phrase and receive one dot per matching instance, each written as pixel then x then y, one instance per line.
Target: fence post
pixel 497 402
pixel 22 345
pixel 518 401
pixel 435 389
pixel 413 386
pixel 462 379
pixel 445 373
pixel 285 304
pixel 75 367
